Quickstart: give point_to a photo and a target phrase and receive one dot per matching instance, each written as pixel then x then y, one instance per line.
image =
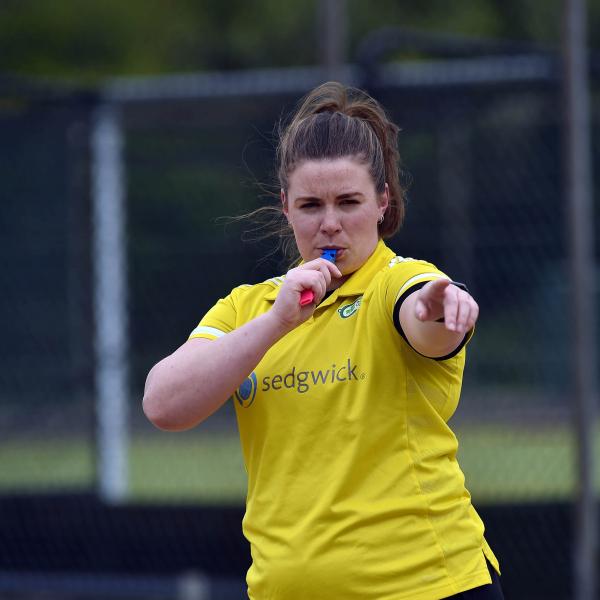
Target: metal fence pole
pixel 583 314
pixel 455 166
pixel 110 304
pixel 333 26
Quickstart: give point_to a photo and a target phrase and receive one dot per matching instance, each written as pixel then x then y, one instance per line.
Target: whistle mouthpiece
pixel 329 254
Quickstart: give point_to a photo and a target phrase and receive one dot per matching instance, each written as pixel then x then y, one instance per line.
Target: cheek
pixel 304 224
pixel 304 231
pixel 363 223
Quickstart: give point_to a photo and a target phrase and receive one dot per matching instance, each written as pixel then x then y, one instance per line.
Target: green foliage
pixel 84 40
pixel 88 41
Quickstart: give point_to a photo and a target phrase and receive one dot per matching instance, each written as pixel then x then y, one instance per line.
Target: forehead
pixel 326 177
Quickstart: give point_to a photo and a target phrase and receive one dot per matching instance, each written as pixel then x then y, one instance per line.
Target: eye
pixel 309 204
pixel 349 201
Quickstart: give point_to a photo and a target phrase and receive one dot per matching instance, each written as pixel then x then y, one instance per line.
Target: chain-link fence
pixel 485 204
pixel 481 146
pixel 46 390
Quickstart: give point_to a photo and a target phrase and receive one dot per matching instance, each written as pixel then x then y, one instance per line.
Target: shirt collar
pixel 358 282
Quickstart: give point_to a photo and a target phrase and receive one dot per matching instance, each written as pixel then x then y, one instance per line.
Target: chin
pixel 348 268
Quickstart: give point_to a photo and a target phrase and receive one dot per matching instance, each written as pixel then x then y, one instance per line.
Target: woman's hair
pixel 335 121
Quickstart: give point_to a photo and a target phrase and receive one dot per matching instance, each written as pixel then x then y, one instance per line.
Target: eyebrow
pixel 339 197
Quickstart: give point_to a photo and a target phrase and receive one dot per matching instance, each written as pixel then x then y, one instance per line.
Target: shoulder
pixel 404 262
pixel 403 275
pixel 410 271
pixel 242 304
pixel 392 263
pixel 265 290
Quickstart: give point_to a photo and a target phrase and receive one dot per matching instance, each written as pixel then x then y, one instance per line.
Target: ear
pixel 384 199
pixel 284 204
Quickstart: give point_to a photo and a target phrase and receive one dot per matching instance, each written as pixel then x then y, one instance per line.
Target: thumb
pixel 422 310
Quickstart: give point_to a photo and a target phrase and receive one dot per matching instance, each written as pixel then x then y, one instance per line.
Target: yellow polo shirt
pixel 354 491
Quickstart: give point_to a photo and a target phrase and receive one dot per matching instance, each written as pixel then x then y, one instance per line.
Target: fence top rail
pixel 447 73
pixel 495 70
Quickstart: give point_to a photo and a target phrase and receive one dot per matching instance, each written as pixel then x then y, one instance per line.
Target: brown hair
pixel 335 121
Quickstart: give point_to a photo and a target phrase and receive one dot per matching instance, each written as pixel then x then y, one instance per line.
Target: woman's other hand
pixel 440 299
pixel 436 318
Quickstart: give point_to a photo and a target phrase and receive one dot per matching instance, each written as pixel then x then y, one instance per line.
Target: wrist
pixel 275 326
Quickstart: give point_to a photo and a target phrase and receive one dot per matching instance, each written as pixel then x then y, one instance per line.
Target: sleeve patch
pixel 277 281
pixel 203 330
pixel 398 259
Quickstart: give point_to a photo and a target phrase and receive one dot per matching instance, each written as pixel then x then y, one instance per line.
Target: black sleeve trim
pixel 398 327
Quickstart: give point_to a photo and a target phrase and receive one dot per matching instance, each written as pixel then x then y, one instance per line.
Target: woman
pixel 354 491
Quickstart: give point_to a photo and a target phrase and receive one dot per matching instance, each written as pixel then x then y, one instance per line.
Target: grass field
pixel 502 464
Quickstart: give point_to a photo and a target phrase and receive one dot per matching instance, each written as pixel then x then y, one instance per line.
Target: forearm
pixel 430 338
pixel 189 385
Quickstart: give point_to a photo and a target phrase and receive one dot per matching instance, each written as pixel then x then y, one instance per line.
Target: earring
pixel 380 220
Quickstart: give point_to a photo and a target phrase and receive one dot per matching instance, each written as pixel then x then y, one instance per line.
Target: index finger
pixel 333 268
pixel 436 287
pixel 318 264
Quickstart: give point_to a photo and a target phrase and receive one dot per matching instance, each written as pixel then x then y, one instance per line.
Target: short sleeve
pixel 221 318
pixel 407 276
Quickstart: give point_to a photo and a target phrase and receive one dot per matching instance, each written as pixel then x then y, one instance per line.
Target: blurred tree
pixel 90 40
pixel 511 19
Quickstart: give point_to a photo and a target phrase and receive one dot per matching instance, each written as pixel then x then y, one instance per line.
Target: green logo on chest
pixel 349 309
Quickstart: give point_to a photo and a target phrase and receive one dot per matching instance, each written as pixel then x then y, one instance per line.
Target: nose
pixel 331 221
